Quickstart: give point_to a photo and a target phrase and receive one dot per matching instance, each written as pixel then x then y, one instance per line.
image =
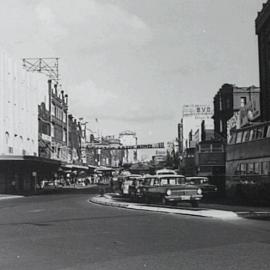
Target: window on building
pixel 265 168
pixel 243 102
pixel 53 109
pixel 64 136
pixel 64 117
pixel 220 126
pixel 250 168
pixel 239 137
pixel 232 139
pixel 268 132
pixel 243 168
pixel 52 130
pixel 220 103
pixel 257 167
pixel 259 134
pixel 246 136
pixel 254 134
pixel 251 134
pixel 228 103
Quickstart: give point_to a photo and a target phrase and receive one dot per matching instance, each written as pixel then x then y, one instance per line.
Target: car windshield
pixel 147 181
pixel 172 181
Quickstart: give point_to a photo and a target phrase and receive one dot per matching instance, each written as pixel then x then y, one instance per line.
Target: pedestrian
pixel 13 185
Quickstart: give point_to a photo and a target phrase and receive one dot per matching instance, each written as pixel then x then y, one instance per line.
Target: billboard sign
pixel 197 110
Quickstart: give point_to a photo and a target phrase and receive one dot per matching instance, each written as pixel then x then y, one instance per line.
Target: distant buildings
pixel 129 138
pixel 192 117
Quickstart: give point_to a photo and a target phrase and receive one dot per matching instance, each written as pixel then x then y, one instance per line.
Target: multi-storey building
pixel 263 32
pixel 74 140
pixel 58 107
pixel 228 100
pixel 20 166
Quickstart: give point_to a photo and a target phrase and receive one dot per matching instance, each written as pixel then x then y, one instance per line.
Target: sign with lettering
pixel 197 110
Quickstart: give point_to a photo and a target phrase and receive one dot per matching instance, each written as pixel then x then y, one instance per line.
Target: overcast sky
pixel 132 64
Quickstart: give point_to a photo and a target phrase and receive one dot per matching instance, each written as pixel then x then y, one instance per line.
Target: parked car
pixel 208 190
pixel 170 189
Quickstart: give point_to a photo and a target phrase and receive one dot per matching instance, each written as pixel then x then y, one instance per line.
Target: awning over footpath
pixel 101 168
pixel 28 160
pixel 74 167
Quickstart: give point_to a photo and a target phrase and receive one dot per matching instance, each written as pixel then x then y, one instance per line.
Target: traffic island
pixel 112 200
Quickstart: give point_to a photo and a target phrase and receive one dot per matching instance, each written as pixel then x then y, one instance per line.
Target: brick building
pixel 228 100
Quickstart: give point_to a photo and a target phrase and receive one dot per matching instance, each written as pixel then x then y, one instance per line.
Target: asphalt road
pixel 65 231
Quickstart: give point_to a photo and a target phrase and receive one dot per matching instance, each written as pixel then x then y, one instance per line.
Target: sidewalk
pixel 9 196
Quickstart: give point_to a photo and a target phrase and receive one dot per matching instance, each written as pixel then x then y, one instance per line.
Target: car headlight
pixel 169 192
pixel 199 191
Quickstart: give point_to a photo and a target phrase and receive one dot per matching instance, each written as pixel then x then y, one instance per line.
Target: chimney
pixel 66 99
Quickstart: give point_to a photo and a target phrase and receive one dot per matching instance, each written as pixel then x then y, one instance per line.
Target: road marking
pixel 36 210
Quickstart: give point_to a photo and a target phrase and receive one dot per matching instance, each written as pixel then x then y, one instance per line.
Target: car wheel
pixel 195 204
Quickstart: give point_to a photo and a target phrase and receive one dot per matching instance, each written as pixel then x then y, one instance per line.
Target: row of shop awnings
pixel 40 161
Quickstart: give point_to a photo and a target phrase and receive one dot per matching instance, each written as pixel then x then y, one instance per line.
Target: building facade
pixel 58 108
pixel 18 109
pixel 129 138
pixel 263 32
pixel 20 165
pixel 228 100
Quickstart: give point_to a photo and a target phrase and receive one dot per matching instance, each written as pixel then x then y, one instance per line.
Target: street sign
pixel 138 146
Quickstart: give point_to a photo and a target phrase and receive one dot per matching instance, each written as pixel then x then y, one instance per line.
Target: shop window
pixel 243 168
pixel 257 167
pixel 265 168
pixel 250 168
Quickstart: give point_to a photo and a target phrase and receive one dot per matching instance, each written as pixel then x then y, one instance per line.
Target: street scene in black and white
pixel 135 134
